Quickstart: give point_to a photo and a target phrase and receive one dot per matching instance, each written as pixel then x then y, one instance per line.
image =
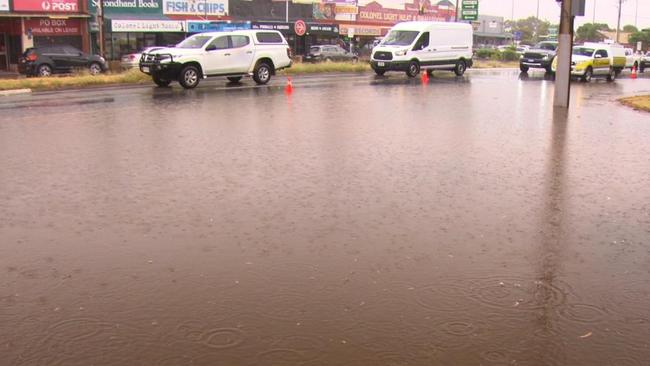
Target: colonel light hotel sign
pixel 196 7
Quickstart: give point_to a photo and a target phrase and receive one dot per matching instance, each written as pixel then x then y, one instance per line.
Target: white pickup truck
pixel 256 53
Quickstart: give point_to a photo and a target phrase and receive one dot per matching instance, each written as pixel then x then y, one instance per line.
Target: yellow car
pixel 592 60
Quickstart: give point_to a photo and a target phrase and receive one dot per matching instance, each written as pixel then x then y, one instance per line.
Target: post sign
pixel 48 6
pixel 53 27
pixel 469 10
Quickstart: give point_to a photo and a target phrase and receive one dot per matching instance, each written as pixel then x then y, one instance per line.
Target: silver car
pixel 132 59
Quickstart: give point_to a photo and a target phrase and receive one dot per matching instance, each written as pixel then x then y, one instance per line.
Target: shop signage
pixel 342 2
pixel 374 12
pixel 53 27
pixel 300 28
pixel 203 26
pixel 282 27
pixel 323 29
pixel 4 5
pixel 127 6
pixel 49 6
pixel 195 7
pixel 346 9
pixel 360 30
pixel 147 25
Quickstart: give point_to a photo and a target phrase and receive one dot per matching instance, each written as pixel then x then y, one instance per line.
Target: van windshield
pixel 400 38
pixel 582 51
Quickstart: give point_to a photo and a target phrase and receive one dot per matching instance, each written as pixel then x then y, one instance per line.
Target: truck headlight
pixel 401 52
pixel 546 58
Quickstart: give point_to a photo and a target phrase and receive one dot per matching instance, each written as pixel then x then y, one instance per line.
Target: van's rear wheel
pixel 413 69
pixel 460 68
pixel 262 73
pixel 189 77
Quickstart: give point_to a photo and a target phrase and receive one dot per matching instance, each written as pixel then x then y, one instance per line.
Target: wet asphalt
pixel 356 221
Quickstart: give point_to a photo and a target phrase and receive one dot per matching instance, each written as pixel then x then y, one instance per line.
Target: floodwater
pixel 357 221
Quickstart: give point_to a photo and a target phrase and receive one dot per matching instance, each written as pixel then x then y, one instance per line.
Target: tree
pixel 531 29
pixel 643 36
pixel 630 29
pixel 590 32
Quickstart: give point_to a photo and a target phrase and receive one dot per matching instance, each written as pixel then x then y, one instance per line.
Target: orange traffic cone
pixel 425 77
pixel 289 88
pixel 633 72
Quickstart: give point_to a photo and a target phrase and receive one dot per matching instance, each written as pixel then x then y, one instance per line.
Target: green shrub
pixel 496 56
pixel 509 55
pixel 485 53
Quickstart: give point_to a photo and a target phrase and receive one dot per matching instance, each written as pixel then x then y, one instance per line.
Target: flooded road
pixel 360 221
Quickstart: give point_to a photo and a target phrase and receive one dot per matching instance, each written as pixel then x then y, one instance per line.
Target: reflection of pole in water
pixel 552 225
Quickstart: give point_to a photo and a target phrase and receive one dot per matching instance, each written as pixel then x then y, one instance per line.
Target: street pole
pixel 100 20
pixel 594 20
pixel 563 73
pixel 636 14
pixel 286 14
pixel 537 23
pixel 618 24
pixel 457 1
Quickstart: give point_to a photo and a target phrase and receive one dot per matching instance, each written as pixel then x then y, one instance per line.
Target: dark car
pixel 329 53
pixel 539 57
pixel 48 60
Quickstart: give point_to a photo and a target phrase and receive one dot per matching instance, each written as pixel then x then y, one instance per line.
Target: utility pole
pixel 286 14
pixel 618 24
pixel 537 23
pixel 100 20
pixel 457 1
pixel 594 20
pixel 563 73
pixel 636 15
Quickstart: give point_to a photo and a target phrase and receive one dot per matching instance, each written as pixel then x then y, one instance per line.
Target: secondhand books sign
pixel 196 7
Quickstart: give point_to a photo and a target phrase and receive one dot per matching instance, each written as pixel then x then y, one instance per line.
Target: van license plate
pixel 145 69
pixel 381 64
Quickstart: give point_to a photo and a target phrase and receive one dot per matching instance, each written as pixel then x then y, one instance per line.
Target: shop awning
pixel 493 35
pixel 37 15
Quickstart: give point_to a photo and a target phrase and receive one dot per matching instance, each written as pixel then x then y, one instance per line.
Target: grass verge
pixel 136 77
pixel 641 102
pixel 75 81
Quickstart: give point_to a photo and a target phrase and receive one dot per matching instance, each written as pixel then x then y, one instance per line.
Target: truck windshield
pixel 546 46
pixel 400 38
pixel 194 42
pixel 582 51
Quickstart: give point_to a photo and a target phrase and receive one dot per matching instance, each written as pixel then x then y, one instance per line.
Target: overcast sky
pixel 606 10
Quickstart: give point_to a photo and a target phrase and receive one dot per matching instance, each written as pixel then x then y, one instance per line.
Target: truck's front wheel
pixel 262 73
pixel 189 77
pixel 413 69
pixel 160 82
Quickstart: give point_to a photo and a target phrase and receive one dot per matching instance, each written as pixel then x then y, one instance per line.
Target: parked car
pixel 540 56
pixel 644 62
pixel 133 59
pixel 330 53
pixel 414 46
pixel 593 59
pixel 235 54
pixel 48 60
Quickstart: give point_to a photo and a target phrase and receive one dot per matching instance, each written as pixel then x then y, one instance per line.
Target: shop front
pixel 132 25
pixel 35 23
pixel 301 35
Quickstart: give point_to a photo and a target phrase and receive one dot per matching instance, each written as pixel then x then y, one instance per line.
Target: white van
pixel 415 46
